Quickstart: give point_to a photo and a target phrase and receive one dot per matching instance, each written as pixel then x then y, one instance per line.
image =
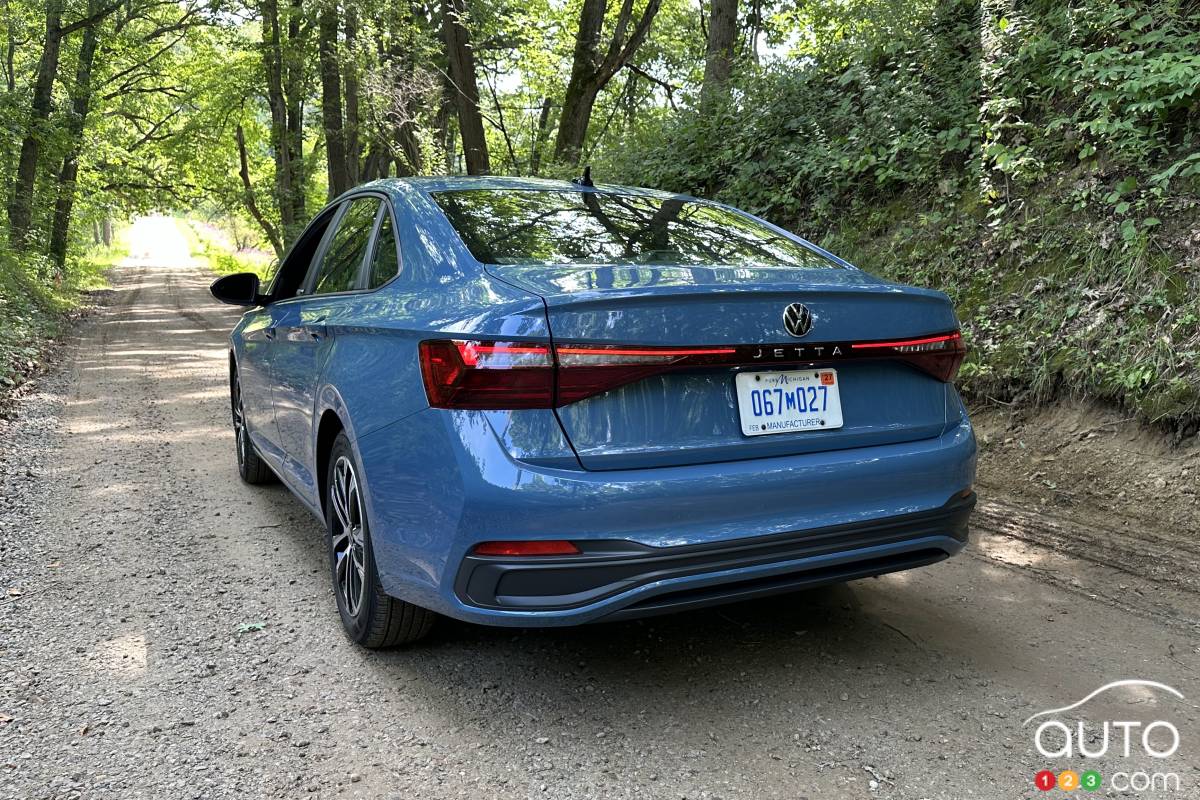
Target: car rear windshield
pixel 585 227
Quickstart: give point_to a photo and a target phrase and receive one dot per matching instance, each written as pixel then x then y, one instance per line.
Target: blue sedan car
pixel 524 402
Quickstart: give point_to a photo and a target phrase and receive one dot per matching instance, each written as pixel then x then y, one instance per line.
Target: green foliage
pixel 848 127
pixel 223 256
pixel 1043 170
pixel 33 310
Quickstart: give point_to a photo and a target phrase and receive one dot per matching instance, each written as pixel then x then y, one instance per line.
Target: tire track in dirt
pixel 1140 571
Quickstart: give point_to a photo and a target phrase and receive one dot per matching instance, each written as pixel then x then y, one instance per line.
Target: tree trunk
pixel 284 86
pixel 273 67
pixel 441 125
pixel 573 122
pixel 590 72
pixel 20 206
pixel 410 145
pixel 353 104
pixel 10 50
pixel 106 231
pixel 466 90
pixel 81 99
pixel 372 162
pixel 295 89
pixel 539 138
pixel 581 95
pixel 336 155
pixel 718 54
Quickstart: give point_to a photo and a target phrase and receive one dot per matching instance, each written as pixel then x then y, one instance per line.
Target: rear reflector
pixel 553 547
pixel 490 374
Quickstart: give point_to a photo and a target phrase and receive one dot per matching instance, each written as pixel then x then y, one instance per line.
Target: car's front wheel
pixel 370 616
pixel 250 465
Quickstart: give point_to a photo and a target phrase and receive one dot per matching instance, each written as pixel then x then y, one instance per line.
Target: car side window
pixel 385 261
pixel 343 258
pixel 290 276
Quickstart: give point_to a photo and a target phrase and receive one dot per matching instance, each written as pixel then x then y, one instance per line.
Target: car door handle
pixel 316 327
pixel 269 333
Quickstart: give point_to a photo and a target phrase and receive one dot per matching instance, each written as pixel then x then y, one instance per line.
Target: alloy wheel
pixel 239 424
pixel 347 535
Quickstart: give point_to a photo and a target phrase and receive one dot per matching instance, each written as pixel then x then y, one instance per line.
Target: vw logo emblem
pixel 797 319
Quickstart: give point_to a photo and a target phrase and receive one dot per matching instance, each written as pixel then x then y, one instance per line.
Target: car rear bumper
pixel 660 580
pixel 675 536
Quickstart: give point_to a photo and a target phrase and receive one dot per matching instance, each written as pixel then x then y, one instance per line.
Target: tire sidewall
pixel 357 627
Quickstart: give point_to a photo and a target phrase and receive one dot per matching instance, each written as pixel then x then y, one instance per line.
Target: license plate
pixel 787 402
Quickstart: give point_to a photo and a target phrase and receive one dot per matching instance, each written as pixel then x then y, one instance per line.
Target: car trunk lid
pixel 691 416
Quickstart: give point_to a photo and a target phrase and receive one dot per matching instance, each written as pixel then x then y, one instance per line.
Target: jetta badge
pixel 797 319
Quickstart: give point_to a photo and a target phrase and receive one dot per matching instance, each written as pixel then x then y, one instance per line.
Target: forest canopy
pixel 1038 160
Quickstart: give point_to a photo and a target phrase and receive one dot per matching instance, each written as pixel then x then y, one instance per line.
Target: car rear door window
pixel 385 262
pixel 343 258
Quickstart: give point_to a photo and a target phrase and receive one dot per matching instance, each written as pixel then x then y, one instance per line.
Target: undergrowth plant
pixel 1041 165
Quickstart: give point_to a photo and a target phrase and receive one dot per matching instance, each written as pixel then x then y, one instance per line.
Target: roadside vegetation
pixel 224 252
pixel 1044 170
pixel 1039 161
pixel 35 311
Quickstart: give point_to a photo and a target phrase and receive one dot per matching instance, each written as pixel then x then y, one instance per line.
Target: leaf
pixel 1129 231
pixel 1150 222
pixel 247 627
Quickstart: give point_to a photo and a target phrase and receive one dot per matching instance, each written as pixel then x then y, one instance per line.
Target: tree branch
pixel 248 194
pixel 88 22
pixel 670 88
pixel 618 58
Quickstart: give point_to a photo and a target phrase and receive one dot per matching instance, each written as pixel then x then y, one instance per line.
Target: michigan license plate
pixel 787 402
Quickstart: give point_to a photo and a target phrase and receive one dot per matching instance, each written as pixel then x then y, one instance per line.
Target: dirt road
pixel 168 632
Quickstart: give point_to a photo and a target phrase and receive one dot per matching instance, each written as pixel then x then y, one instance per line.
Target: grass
pixel 210 245
pixel 35 309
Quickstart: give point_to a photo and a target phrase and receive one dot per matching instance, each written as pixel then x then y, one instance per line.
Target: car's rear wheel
pixel 370 616
pixel 250 465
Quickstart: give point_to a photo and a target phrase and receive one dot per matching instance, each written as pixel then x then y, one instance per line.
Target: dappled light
pixel 553 359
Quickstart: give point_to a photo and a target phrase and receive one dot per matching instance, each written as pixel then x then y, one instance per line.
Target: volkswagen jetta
pixel 522 402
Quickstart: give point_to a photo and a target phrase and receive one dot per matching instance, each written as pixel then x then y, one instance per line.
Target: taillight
pixel 940 356
pixel 465 374
pixel 587 370
pixel 492 374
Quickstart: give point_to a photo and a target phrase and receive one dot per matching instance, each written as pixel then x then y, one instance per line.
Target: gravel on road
pixel 168 632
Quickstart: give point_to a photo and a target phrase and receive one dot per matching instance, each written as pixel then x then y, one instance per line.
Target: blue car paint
pixel 437 482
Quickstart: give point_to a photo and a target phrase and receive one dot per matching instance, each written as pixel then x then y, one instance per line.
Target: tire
pixel 250 465
pixel 370 616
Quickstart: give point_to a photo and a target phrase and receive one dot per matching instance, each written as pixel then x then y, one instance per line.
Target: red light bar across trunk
pixel 470 374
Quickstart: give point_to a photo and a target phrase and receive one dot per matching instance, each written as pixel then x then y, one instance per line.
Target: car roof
pixel 453 183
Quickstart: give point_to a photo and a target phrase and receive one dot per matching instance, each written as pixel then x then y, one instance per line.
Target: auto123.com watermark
pixel 1065 736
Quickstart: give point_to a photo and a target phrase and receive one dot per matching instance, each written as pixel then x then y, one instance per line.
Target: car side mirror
pixel 239 289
